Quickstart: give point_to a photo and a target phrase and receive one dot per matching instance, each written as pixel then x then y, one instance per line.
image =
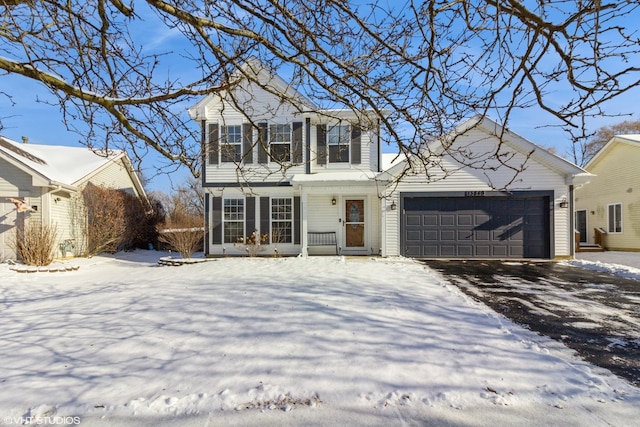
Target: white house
pixel 311 181
pixel 47 177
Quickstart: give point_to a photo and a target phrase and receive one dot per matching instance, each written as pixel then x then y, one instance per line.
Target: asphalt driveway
pixel 596 314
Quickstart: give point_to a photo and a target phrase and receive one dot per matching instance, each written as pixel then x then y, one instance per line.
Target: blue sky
pixel 42 123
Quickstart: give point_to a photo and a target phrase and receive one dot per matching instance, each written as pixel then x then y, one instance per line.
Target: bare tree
pixel 418 67
pixel 585 151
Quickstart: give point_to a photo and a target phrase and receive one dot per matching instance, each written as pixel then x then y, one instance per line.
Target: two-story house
pixel 311 181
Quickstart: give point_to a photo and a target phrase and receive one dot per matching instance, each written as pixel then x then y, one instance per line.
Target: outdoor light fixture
pixel 393 206
pixel 564 204
pixel 333 201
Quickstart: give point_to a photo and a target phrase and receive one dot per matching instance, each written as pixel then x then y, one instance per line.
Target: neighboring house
pixel 48 178
pixel 331 183
pixel 611 202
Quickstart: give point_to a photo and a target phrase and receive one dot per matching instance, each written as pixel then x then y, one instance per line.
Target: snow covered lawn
pixel 291 341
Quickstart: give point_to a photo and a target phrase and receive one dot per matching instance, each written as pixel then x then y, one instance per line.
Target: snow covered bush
pixel 35 244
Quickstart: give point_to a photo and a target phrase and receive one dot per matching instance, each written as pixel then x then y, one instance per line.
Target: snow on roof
pixel 631 137
pixel 57 163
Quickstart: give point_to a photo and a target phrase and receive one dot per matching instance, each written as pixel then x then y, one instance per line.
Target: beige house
pixel 611 201
pixel 47 178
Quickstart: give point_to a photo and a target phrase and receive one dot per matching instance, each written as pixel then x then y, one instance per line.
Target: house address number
pixel 473 193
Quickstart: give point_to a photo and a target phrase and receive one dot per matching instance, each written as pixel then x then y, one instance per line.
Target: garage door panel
pixel 413 219
pixel 486 227
pixel 448 235
pixel 429 219
pixel 414 235
pixel 430 235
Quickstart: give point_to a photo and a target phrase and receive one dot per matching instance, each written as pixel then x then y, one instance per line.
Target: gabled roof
pixel 56 165
pixel 254 67
pixel 573 173
pixel 632 139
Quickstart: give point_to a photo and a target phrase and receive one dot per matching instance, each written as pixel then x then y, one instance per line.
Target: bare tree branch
pixel 417 68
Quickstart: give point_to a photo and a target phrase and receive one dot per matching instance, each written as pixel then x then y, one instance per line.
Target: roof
pixel 573 173
pixel 260 73
pixel 57 164
pixel 631 139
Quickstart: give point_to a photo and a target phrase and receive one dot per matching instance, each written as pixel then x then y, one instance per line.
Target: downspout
pixel 572 240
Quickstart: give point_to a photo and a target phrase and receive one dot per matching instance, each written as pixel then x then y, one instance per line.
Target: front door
pixel 354 223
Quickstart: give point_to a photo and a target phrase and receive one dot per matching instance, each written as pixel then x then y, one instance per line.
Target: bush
pixel 105 216
pixel 252 244
pixel 35 244
pixel 183 234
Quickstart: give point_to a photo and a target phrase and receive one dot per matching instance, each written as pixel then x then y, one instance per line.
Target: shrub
pixel 105 219
pixel 252 244
pixel 35 244
pixel 182 233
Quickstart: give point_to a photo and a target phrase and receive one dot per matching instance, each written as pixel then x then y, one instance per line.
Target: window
pixel 338 138
pixel 231 143
pixel 615 218
pixel 233 220
pixel 280 142
pixel 281 220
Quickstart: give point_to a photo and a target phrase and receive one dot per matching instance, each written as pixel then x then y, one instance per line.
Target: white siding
pixel 17 184
pixel 534 177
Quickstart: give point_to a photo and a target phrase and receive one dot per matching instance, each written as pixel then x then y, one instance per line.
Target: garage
pixel 476 225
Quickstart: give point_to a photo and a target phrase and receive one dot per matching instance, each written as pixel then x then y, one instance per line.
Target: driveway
pixel 595 314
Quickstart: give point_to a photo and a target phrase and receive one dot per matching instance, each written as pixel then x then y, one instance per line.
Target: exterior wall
pixel 324 216
pixel 18 184
pixel 115 175
pixel 266 107
pixel 258 194
pixel 321 215
pixel 617 181
pixel 535 177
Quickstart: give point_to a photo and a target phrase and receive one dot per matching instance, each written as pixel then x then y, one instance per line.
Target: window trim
pixel 226 221
pixel 346 136
pixel 291 220
pixel 280 143
pixel 610 229
pixel 223 143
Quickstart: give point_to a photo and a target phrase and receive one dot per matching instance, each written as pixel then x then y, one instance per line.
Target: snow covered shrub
pixel 35 244
pixel 252 244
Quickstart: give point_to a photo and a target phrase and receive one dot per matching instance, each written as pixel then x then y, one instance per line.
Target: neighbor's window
pixel 280 142
pixel 231 143
pixel 233 220
pixel 281 220
pixel 338 139
pixel 615 218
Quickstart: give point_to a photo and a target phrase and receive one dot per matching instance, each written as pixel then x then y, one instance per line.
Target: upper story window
pixel 280 142
pixel 615 218
pixel 338 140
pixel 231 143
pixel 233 220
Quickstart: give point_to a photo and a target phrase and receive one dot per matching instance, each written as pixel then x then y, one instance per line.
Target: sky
pixel 42 123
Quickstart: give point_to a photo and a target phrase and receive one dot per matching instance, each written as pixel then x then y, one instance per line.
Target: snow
pixel 123 341
pixel 58 163
pixel 623 264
